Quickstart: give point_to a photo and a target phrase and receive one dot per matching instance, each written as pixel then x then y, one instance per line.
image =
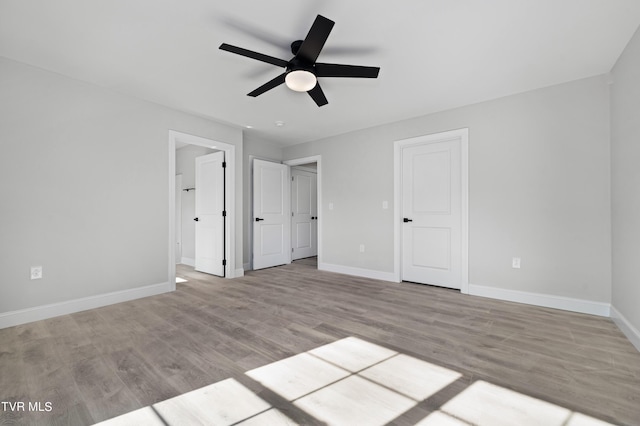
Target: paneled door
pixel 431 213
pixel 210 213
pixel 304 214
pixel 271 224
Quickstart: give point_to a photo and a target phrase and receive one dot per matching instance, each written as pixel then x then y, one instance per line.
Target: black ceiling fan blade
pixel 317 36
pixel 339 70
pixel 254 55
pixel 268 85
pixel 318 95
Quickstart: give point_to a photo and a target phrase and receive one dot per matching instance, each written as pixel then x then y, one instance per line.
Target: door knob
pixel 196 219
pixel 405 220
pixel 258 219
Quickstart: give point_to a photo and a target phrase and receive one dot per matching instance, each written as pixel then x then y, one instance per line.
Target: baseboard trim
pixel 545 300
pixel 358 272
pixel 626 327
pixel 188 261
pixel 23 316
pixel 239 272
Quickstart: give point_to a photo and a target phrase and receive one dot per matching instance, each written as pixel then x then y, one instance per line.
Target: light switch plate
pixel 36 272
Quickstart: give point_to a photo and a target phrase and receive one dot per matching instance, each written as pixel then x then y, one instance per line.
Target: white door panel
pixel 432 203
pixel 209 213
pixel 271 231
pixel 304 224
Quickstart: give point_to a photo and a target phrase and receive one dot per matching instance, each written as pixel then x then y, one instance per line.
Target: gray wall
pixel 186 165
pixel 625 164
pixel 539 189
pixel 84 187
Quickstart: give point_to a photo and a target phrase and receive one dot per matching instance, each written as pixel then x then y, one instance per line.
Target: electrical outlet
pixel 515 263
pixel 361 248
pixel 330 206
pixel 385 205
pixel 36 272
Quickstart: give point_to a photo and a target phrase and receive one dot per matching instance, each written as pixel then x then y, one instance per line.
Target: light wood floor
pixel 98 364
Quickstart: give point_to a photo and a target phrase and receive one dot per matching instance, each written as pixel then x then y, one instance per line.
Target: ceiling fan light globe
pixel 300 80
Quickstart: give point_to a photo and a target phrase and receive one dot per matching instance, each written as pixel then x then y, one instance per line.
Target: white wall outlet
pixel 385 205
pixel 515 263
pixel 36 272
pixel 361 248
pixel 330 206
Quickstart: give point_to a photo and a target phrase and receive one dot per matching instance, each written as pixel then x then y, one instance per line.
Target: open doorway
pixel 306 208
pixel 272 240
pixel 196 150
pixel 304 211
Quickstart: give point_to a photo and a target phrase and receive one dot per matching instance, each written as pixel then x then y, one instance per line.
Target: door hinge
pixel 224 262
pixel 291 214
pixel 224 213
pixel 291 249
pixel 224 164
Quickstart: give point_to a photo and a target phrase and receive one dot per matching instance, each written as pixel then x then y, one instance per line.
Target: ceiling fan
pixel 302 71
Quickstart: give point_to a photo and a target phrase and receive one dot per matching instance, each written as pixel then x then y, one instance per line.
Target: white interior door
pixel 304 223
pixel 431 209
pixel 271 225
pixel 210 213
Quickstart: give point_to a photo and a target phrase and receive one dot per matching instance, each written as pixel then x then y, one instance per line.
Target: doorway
pixel 431 209
pixel 304 211
pixel 177 139
pixel 313 166
pixel 271 240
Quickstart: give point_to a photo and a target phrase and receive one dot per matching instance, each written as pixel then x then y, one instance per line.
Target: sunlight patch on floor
pixel 180 280
pixel 144 416
pixel 353 382
pixel 484 403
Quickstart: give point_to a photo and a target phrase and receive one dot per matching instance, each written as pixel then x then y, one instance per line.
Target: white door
pixel 432 213
pixel 210 213
pixel 271 229
pixel 304 219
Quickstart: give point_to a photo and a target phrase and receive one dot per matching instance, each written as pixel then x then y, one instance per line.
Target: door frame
pixel 178 216
pixel 463 135
pixel 318 160
pixel 230 200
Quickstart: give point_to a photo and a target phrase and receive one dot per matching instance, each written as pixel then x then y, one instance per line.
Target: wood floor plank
pixel 104 393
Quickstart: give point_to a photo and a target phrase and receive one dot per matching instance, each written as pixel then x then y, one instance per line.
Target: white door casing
pixel 433 209
pixel 210 241
pixel 271 214
pixel 304 230
pixel 178 223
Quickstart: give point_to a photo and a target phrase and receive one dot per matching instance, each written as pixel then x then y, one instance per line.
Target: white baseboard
pixel 238 273
pixel 246 266
pixel 626 327
pixel 546 300
pixel 358 272
pixel 23 316
pixel 188 261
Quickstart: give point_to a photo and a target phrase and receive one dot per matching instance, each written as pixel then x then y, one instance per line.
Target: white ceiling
pixel 434 54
